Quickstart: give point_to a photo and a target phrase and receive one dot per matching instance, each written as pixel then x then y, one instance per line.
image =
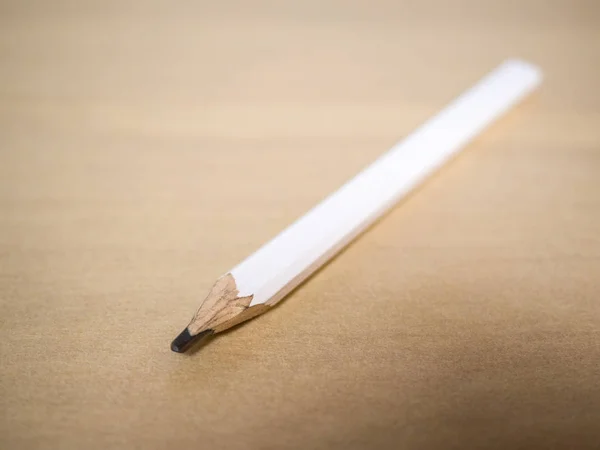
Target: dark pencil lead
pixel 185 340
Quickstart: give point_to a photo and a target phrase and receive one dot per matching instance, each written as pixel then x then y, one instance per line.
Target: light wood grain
pixel 138 140
pixel 222 308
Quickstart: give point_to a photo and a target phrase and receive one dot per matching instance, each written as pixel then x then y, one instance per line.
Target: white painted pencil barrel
pixel 282 263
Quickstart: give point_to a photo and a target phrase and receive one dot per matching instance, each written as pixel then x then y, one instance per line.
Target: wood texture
pixel 222 308
pixel 147 147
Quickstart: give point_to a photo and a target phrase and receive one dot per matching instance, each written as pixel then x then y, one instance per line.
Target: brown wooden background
pixel 147 147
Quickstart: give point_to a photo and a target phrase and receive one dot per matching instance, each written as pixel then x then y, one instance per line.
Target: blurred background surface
pixel 148 146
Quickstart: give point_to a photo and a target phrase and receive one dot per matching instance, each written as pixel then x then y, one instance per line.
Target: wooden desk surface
pixel 147 147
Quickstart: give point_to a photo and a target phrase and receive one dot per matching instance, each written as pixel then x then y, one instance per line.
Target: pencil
pixel 269 274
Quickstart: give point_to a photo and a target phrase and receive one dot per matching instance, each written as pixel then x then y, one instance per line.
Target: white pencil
pixel 275 269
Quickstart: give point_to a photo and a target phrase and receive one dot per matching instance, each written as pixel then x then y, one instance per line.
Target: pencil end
pixel 185 340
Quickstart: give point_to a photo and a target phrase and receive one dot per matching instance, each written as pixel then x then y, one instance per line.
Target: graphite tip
pixel 185 340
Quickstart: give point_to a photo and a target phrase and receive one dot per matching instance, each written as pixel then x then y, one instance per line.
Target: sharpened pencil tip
pixel 185 340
